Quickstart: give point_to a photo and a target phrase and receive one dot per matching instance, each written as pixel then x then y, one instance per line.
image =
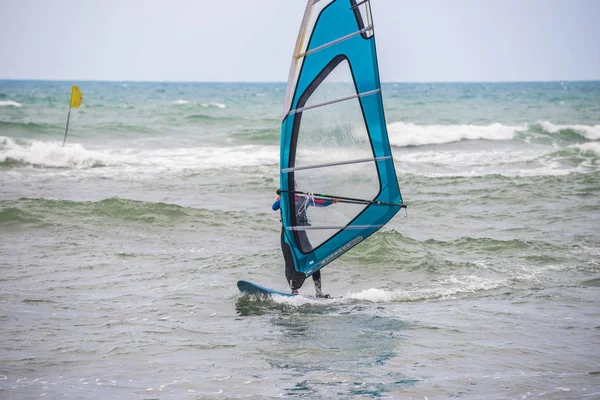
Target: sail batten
pixel 336 41
pixel 308 228
pixel 333 164
pixel 334 137
pixel 354 96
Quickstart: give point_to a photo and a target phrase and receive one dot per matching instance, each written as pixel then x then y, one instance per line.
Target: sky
pixel 253 40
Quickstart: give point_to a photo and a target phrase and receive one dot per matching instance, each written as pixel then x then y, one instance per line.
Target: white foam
pixel 468 163
pixel 409 134
pixel 73 155
pixel 301 300
pixel 215 105
pixel 591 132
pixel 53 154
pixel 592 148
pixel 210 157
pixel 374 295
pixel 451 286
pixel 10 103
pixel 181 101
pixel 469 159
pixel 448 287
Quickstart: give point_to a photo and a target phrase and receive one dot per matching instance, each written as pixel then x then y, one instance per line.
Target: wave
pixel 214 105
pixel 75 156
pixel 442 288
pixel 587 131
pixel 51 154
pixel 115 211
pixel 29 127
pixel 252 149
pixel 257 135
pixel 409 134
pixel 202 117
pixel 138 211
pixel 434 273
pixel 124 128
pixel 212 119
pixel 587 149
pixel 16 215
pixel 10 103
pixel 449 287
pixel 28 210
pixel 203 105
pixel 524 163
pixel 390 247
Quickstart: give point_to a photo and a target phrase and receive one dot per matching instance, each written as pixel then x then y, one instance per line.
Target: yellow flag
pixel 76 97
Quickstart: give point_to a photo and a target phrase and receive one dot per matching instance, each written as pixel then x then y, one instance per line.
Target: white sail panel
pixel 311 13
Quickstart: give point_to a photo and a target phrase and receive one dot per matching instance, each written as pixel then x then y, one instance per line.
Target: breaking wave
pixel 404 134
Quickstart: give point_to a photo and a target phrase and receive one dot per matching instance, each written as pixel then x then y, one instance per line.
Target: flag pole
pixel 68 117
pixel 67 129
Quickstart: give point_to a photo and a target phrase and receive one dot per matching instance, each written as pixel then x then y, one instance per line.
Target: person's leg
pixel 317 281
pixel 293 278
pixel 304 242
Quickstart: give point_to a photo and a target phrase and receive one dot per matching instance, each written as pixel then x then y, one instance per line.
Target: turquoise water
pixel 121 250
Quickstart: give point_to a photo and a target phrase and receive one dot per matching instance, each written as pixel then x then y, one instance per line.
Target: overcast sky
pixel 252 40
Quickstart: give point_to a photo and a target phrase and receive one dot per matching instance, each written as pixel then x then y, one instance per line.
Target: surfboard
pixel 252 288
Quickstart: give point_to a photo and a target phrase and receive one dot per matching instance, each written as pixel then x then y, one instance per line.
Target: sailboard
pixel 334 146
pixel 252 288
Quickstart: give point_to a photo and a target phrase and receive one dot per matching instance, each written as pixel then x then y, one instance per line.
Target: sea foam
pixel 10 103
pixel 53 154
pixel 404 134
pixel 73 155
pixel 590 132
pixel 591 148
pixel 215 105
pixel 409 134
pixel 447 288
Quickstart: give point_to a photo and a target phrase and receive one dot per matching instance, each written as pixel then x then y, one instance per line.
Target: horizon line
pixel 285 82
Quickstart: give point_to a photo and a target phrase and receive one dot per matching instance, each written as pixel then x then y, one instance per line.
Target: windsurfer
pixel 293 277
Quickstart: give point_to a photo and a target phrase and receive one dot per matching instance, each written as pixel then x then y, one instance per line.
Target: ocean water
pixel 119 253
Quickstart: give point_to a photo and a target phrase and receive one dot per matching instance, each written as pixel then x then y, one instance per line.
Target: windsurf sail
pixel 338 184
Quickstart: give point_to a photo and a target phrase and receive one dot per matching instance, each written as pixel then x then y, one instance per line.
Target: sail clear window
pixel 333 132
pixel 362 11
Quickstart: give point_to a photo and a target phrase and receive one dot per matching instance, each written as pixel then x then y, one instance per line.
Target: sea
pixel 120 251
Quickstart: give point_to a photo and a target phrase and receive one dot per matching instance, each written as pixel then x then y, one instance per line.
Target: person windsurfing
pixel 294 278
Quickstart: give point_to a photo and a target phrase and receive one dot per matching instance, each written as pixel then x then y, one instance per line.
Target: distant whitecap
pixel 10 103
pixel 215 105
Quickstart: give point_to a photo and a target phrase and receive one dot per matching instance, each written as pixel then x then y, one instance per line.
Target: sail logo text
pixel 341 250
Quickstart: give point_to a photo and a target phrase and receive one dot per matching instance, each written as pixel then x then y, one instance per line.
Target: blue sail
pixel 338 184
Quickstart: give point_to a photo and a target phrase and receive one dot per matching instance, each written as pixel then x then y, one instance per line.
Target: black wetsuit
pixel 294 278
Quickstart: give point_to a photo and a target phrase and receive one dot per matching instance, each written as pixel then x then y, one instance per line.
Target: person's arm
pixel 277 204
pixel 325 203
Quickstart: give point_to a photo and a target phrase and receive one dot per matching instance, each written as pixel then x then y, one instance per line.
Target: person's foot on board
pixel 318 291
